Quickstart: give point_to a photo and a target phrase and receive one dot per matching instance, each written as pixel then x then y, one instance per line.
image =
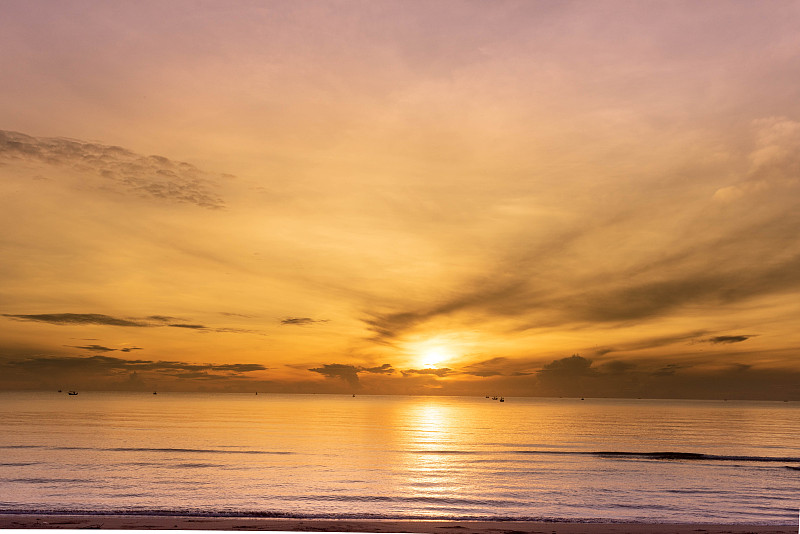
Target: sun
pixel 434 352
pixel 433 356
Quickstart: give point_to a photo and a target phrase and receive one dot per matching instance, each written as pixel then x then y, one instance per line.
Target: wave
pixel 270 514
pixel 179 449
pixel 613 455
pixel 144 449
pixel 448 500
pixel 50 480
pixel 635 455
pixel 190 512
pixel 662 456
pixel 426 451
pixel 690 456
pixel 684 456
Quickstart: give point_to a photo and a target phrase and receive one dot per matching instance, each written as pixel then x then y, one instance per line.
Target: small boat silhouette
pixel 72 393
pixel 502 399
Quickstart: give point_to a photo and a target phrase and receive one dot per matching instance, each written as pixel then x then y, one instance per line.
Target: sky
pixel 532 198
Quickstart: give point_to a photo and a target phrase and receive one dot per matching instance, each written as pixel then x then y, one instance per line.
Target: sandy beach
pixel 122 522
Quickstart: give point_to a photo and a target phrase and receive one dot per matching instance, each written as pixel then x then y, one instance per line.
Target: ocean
pixel 395 457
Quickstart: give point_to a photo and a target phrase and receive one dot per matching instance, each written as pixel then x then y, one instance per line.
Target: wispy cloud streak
pixel 153 177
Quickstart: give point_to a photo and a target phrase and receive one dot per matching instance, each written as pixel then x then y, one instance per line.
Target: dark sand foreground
pixel 121 522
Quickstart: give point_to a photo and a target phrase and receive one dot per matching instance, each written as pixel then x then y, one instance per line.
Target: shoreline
pixel 417 526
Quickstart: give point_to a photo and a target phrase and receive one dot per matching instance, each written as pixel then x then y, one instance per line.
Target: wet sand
pixel 135 522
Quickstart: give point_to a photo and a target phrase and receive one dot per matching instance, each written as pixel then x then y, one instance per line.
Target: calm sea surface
pixel 401 457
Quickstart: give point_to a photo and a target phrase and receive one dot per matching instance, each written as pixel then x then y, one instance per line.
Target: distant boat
pixel 59 391
pixel 502 399
pixel 72 393
pixel 494 398
pixel 487 396
pixel 155 393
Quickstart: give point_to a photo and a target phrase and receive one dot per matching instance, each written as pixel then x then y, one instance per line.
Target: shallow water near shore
pixel 392 457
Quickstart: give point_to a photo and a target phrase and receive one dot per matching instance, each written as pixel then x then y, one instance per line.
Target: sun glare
pixel 432 357
pixel 436 352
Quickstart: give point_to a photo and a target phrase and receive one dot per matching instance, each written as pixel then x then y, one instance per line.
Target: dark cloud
pixel 617 367
pixel 97 348
pixel 68 363
pixel 484 374
pixel 134 382
pixel 238 367
pixel 443 371
pixel 727 339
pixel 77 318
pixel 301 321
pixel 108 364
pixel 162 318
pixel 383 369
pixel 516 286
pixel 493 367
pixel 153 177
pixel 730 254
pixel 624 298
pixel 349 373
pixel 151 321
pixel 725 256
pixel 579 376
pixel 198 375
pixel 639 300
pixel 575 365
pixel 694 376
pixel 669 369
pixel 129 349
pixel 691 377
pixel 238 331
pixel 643 300
pixel 650 343
pixel 387 327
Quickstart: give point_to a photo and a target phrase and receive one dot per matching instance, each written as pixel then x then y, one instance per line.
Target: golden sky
pixel 522 198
